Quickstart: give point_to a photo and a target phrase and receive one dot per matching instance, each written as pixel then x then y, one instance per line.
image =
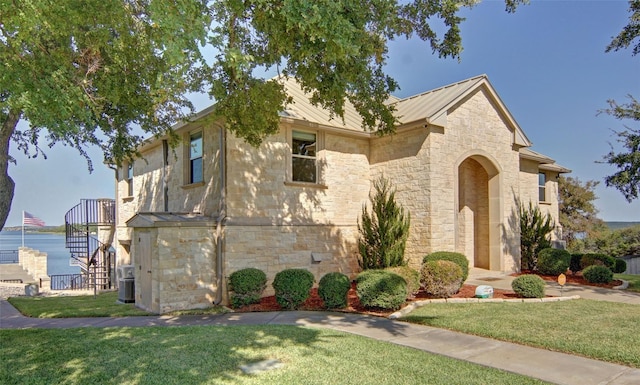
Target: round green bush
pixel 574 264
pixel 591 259
pixel 333 289
pixel 597 274
pixel 528 286
pixel 381 289
pixel 410 275
pixel 292 287
pixel 620 266
pixel 246 286
pixel 441 278
pixel 553 261
pixel 458 258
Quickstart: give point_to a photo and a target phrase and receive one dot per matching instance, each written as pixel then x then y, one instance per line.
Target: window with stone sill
pixel 542 187
pixel 304 161
pixel 130 180
pixel 195 158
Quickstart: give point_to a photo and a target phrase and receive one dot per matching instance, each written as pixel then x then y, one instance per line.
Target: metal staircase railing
pixel 89 230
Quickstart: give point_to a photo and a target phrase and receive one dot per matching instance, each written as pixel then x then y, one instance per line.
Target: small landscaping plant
pixel 620 266
pixel 381 289
pixel 591 259
pixel 553 261
pixel 411 277
pixel 292 287
pixel 574 264
pixel 597 274
pixel 246 286
pixel 333 289
pixel 441 278
pixel 457 258
pixel 528 286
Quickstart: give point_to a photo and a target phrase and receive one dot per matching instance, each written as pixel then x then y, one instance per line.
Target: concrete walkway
pixel 549 366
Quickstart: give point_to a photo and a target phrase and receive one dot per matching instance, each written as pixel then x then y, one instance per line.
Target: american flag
pixel 31 220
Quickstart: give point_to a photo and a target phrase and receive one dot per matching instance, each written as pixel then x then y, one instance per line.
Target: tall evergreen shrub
pixel 535 228
pixel 383 230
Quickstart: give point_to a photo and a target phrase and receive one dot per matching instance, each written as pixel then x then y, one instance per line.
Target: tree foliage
pixel 617 243
pixel 91 72
pixel 383 230
pixel 535 229
pixel 578 213
pixel 627 161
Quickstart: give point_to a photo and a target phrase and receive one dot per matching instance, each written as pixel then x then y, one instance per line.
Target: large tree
pixel 578 213
pixel 88 72
pixel 627 161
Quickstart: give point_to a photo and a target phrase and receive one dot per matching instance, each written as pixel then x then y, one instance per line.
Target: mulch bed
pixel 573 279
pixel 314 302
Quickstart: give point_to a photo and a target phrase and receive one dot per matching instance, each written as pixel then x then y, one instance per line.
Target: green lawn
pixel 605 331
pixel 103 305
pixel 213 355
pixel 634 281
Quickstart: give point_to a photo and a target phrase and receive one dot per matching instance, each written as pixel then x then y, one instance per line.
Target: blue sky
pixel 546 61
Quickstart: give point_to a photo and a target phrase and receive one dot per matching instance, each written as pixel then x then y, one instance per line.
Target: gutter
pixel 222 216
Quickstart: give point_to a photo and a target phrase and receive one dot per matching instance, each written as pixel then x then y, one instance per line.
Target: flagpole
pixel 22 228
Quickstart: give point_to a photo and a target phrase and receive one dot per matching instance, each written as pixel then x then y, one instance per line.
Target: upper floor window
pixel 303 157
pixel 542 187
pixel 130 179
pixel 195 157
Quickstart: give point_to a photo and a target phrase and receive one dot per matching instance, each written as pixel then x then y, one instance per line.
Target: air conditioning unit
pixel 125 272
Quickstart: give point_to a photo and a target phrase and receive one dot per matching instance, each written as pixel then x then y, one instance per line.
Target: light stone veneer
pixel 461 184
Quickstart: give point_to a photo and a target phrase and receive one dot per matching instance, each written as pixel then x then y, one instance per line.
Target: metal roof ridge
pixel 478 77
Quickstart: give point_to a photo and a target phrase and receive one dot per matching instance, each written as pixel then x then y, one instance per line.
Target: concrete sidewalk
pixel 550 366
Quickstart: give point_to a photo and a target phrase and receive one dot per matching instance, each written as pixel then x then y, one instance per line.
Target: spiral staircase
pixel 89 230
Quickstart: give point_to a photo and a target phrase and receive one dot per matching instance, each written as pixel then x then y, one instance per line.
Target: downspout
pixel 222 216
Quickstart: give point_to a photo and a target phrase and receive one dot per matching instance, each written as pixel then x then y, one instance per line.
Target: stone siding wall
pixel 33 262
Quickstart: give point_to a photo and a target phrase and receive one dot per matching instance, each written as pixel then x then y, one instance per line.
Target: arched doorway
pixel 478 212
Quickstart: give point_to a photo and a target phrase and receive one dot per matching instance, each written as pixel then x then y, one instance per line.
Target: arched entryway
pixel 478 212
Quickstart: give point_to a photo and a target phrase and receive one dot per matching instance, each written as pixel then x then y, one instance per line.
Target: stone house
pixel 190 216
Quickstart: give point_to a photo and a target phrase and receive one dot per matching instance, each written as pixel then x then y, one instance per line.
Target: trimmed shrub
pixel 292 287
pixel 553 261
pixel 528 286
pixel 591 259
pixel 597 274
pixel 441 278
pixel 574 264
pixel 246 286
pixel 535 228
pixel 333 289
pixel 381 289
pixel 620 266
pixel 411 277
pixel 457 258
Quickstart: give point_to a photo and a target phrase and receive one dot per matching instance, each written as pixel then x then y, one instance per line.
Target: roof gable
pixel 432 106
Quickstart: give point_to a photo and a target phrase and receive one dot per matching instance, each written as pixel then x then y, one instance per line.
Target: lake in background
pixel 58 256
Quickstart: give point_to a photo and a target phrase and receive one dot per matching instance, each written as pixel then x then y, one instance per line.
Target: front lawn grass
pixel 634 281
pixel 103 305
pixel 601 330
pixel 213 355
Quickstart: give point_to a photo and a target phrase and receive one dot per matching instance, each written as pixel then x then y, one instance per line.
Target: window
pixel 130 180
pixel 195 157
pixel 303 157
pixel 542 190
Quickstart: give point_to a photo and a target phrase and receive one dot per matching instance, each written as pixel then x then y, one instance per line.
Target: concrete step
pixel 13 271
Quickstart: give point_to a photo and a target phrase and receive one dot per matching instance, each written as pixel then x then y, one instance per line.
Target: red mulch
pixel 353 304
pixel 573 279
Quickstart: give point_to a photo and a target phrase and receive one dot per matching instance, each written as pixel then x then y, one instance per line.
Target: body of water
pixel 58 256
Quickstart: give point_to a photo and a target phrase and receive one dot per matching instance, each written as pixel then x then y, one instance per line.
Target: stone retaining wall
pixel 34 262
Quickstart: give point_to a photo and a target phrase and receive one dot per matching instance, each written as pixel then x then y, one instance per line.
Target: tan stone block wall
pixel 33 262
pixel 258 189
pixel 276 248
pixel 183 269
pixel 529 192
pixel 148 194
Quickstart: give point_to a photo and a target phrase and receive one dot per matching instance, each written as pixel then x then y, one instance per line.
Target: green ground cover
pixel 102 305
pixel 213 355
pixel 601 330
pixel 634 281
